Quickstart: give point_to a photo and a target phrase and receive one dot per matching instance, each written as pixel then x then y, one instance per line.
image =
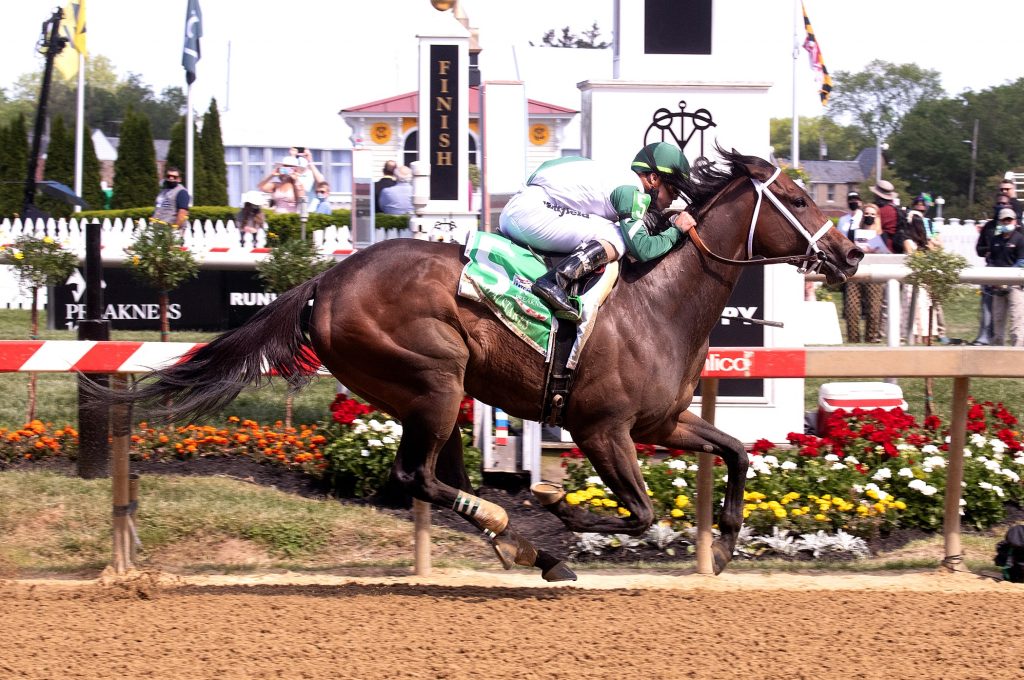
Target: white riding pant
pixel 531 218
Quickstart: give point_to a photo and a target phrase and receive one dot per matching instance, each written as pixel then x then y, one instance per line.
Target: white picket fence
pixel 200 237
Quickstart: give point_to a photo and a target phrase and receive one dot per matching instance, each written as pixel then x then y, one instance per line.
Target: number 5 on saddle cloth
pixel 499 274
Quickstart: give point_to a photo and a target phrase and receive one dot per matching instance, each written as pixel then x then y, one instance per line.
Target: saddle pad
pixel 499 274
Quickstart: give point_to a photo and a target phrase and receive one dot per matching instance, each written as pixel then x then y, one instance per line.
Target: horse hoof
pixel 559 572
pixel 505 553
pixel 548 493
pixel 722 557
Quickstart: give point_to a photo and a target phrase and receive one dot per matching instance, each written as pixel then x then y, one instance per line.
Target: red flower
pixel 466 411
pixel 344 411
pixel 761 446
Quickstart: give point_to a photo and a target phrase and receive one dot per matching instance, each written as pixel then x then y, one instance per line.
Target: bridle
pixel 811 261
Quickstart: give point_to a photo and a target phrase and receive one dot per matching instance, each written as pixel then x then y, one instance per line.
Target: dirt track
pixel 471 625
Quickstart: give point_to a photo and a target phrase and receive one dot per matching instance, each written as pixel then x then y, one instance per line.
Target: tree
pixel 158 259
pixel 92 192
pixel 588 41
pixel 877 98
pixel 210 154
pixel 13 166
pixel 842 142
pixel 135 168
pixel 60 167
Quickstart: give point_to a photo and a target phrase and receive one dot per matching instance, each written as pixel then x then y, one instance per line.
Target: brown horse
pixel 388 324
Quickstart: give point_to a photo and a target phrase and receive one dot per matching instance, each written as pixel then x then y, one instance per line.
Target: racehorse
pixel 388 324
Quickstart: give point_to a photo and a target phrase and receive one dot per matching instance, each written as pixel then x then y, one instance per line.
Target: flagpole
pixel 797 25
pixel 80 129
pixel 189 146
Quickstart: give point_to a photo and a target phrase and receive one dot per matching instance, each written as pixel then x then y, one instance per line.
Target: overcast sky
pixel 322 56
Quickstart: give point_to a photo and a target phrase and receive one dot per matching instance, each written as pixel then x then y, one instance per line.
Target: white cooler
pixel 851 395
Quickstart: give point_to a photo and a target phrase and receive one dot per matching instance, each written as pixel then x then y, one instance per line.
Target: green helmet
pixel 668 159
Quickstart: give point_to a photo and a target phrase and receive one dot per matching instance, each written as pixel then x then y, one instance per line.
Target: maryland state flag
pixel 72 27
pixel 817 63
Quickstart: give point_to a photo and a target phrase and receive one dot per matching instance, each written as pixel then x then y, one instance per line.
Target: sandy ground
pixel 458 624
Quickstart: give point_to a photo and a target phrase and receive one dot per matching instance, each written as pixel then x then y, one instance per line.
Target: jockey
pixel 573 205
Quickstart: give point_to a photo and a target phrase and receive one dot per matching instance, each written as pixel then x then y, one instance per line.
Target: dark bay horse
pixel 388 324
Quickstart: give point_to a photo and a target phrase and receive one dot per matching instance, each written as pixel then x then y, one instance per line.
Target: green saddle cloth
pixel 499 274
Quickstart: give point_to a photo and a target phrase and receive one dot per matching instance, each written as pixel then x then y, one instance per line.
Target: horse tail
pixel 273 340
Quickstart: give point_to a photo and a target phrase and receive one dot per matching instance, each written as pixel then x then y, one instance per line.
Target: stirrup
pixel 556 298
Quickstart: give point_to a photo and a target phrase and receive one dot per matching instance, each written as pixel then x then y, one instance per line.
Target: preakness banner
pixel 213 301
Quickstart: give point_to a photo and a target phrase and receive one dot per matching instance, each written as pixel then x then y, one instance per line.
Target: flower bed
pixel 873 472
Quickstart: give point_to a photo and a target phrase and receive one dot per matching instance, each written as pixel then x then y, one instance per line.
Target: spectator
pixel 1008 188
pixel 982 247
pixel 285 190
pixel 397 198
pixel 850 222
pixel 250 219
pixel 172 201
pixel 1006 250
pixel 388 180
pixel 865 297
pixel 306 172
pixel 888 216
pixel 321 203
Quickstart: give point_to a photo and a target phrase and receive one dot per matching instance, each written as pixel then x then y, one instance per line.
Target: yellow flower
pixel 676 512
pixel 47 239
pixel 746 514
pixel 900 505
pixel 135 259
pixel 780 512
pixel 820 517
pixel 750 506
pixel 19 256
pixel 609 503
pixel 862 510
pixel 682 501
pixel 871 493
pixel 572 498
pixel 596 502
pixel 753 496
pixel 623 512
pixel 650 493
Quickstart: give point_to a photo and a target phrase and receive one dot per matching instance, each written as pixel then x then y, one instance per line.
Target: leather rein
pixel 811 261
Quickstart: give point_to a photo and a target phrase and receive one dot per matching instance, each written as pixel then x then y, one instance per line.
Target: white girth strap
pixel 761 188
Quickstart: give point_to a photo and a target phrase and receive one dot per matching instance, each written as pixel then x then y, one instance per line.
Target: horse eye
pixel 800 203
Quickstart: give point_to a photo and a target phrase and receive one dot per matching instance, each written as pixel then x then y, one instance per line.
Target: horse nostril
pixel 854 256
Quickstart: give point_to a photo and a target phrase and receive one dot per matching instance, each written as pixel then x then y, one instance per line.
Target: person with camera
pixel 285 187
pixel 1007 250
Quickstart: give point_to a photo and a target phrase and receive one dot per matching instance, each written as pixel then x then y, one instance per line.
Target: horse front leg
pixel 695 434
pixel 421 476
pixel 613 456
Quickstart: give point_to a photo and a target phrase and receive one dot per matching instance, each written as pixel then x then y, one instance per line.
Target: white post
pixel 189 147
pixel 80 129
pixel 797 23
pixel 532 449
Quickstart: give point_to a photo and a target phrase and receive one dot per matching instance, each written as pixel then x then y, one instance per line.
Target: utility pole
pixel 974 162
pixel 50 45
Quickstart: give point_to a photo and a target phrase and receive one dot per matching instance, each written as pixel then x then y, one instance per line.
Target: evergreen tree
pixel 135 175
pixel 60 167
pixel 13 166
pixel 213 190
pixel 176 149
pixel 91 190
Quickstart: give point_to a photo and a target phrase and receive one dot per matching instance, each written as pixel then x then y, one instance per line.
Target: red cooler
pixel 851 395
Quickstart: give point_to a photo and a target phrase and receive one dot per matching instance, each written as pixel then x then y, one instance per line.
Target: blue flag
pixel 193 32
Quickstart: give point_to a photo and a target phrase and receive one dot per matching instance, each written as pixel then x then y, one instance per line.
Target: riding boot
pixel 552 287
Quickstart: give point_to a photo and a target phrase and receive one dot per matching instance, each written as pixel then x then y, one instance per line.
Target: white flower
pixel 998 490
pixel 677 464
pixel 850 460
pixel 993 465
pixel 916 484
pixel 929 448
pixel 985 485
pixel 376 425
pixel 997 445
pixel 751 473
pixel 387 439
pixel 393 428
pixel 770 460
pixel 788 465
pixel 1019 460
pixel 693 467
pixel 929 490
pixel 934 462
pixel 858 489
pixel 963 502
pixel 1007 472
pixel 837 466
pixel 359 427
pixel 906 472
pixel 364 453
pixel 978 439
pixel 831 457
pixel 374 443
pixel 883 473
pixel 594 480
pixel 679 482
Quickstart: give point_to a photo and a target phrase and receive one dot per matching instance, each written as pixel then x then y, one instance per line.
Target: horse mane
pixel 708 178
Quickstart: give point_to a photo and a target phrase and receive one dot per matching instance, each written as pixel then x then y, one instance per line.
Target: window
pixel 830 193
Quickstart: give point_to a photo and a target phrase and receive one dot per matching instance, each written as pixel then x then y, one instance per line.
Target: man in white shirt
pixel 851 220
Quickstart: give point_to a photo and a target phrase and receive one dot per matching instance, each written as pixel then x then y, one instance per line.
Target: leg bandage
pixel 486 514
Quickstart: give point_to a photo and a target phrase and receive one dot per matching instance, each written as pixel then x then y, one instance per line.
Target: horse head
pixel 785 225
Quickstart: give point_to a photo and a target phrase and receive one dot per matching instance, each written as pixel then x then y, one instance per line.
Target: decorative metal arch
pixel 663 120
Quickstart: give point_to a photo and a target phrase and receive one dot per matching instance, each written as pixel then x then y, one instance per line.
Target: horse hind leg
pixel 422 480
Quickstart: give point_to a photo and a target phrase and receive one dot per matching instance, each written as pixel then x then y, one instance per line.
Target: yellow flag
pixel 72 27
